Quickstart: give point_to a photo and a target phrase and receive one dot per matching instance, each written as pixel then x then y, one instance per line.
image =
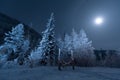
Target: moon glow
pixel 98 20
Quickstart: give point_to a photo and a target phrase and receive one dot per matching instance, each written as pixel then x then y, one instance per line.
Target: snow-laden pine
pixel 15 46
pixel 46 47
pixel 15 38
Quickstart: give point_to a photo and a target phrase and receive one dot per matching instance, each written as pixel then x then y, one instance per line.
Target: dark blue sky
pixel 71 14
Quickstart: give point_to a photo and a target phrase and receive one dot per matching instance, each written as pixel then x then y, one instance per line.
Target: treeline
pixel 16 48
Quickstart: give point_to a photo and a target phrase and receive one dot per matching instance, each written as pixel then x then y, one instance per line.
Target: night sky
pixel 70 14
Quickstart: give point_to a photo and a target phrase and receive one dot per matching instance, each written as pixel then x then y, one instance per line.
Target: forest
pixel 74 49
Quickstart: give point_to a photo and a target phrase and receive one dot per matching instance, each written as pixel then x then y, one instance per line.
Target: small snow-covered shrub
pixel 10 64
pixel 35 58
pixel 36 54
pixel 3 59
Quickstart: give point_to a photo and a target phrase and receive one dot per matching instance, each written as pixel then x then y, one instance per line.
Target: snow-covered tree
pixel 15 38
pixel 68 46
pixel 15 43
pixel 79 44
pixel 85 55
pixel 85 44
pixel 46 47
pixel 60 43
pixel 75 40
pixel 51 39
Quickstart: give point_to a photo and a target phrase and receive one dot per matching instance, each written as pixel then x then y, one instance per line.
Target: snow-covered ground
pixel 52 73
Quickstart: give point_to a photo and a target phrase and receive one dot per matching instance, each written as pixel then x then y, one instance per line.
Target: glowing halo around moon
pixel 98 20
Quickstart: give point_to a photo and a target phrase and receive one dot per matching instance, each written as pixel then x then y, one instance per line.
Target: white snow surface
pixel 52 73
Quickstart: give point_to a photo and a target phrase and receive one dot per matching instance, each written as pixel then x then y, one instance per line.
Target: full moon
pixel 99 20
